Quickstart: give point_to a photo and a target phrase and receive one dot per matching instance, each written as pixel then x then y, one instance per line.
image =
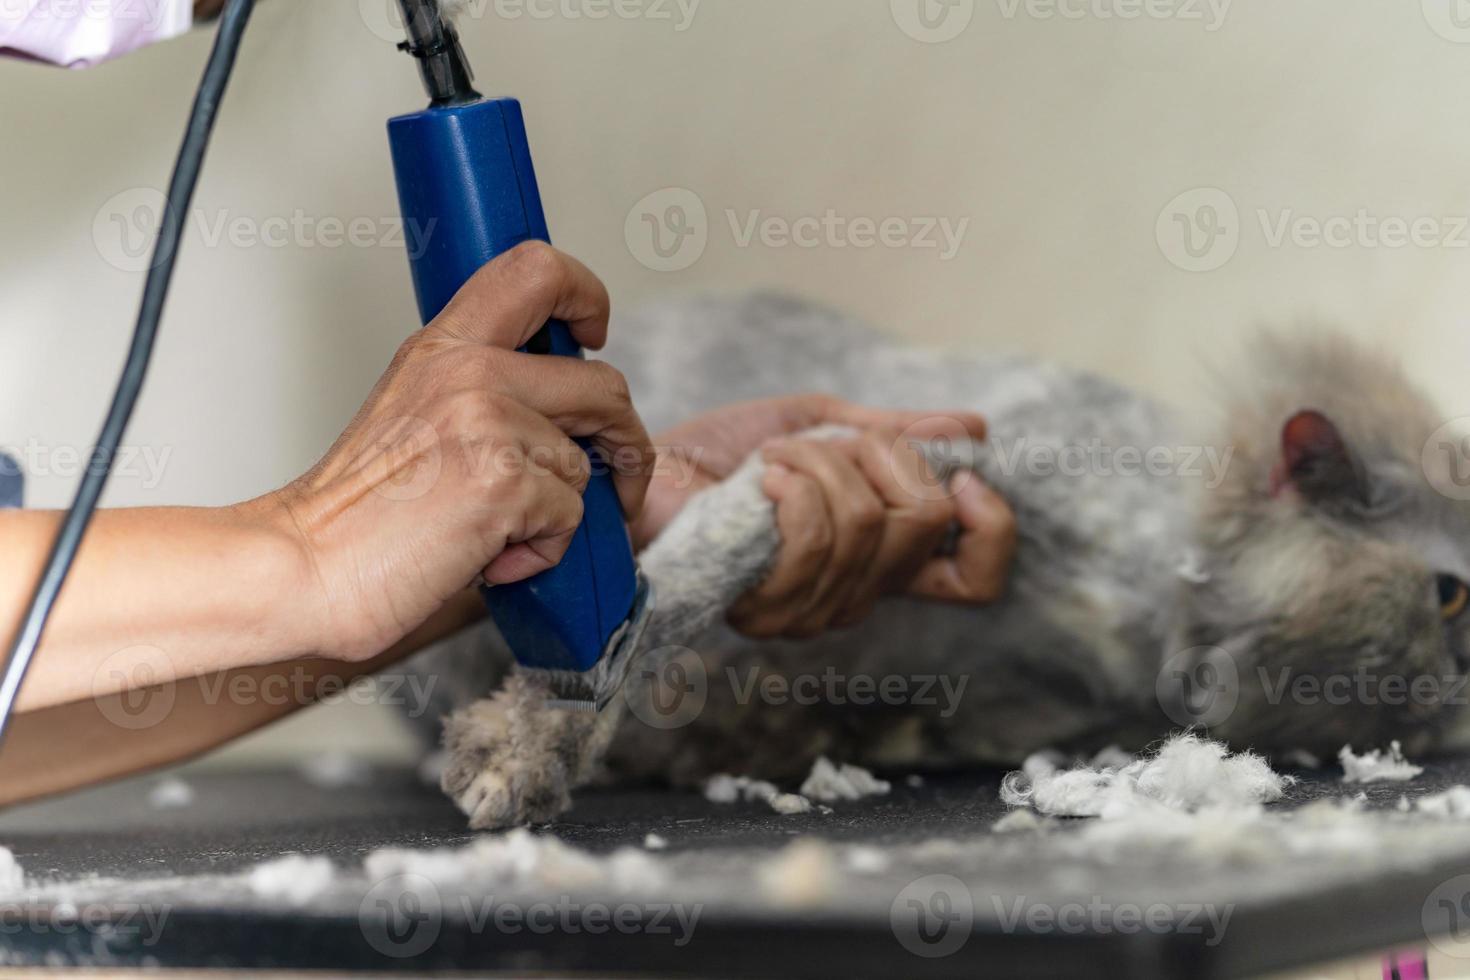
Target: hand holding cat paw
pixel 866 517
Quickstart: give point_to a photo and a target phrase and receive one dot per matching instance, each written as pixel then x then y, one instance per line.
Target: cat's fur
pixel 1153 563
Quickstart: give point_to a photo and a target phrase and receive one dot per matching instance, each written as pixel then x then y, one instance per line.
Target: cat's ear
pixel 1316 461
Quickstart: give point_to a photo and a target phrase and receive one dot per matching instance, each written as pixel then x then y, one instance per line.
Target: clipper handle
pixel 468 191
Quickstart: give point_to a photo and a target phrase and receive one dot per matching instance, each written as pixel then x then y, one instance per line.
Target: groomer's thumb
pixel 511 298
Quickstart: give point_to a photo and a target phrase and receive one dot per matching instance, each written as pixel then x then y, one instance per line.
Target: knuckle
pixel 866 513
pixel 533 260
pixel 997 522
pixel 935 515
pixel 614 384
pixel 812 536
pixel 410 348
pixel 474 412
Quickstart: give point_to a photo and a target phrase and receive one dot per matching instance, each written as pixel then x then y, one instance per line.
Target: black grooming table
pixel 188 915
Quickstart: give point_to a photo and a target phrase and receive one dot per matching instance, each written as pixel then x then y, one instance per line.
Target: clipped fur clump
pixel 1377 766
pixel 1186 773
pixel 1166 576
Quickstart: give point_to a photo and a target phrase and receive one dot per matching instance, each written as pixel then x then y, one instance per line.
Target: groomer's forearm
pixel 63 748
pixel 166 594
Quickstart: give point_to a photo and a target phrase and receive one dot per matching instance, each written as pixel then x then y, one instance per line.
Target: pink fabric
pixel 82 33
pixel 1405 966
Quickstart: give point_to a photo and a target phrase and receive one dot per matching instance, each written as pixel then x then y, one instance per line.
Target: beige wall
pixel 1061 131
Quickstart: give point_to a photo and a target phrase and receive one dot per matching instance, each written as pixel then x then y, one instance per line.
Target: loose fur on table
pixel 1301 540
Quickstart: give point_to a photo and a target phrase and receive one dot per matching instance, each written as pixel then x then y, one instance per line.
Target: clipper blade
pixel 592 691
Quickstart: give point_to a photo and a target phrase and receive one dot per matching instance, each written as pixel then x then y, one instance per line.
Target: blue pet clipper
pixel 468 192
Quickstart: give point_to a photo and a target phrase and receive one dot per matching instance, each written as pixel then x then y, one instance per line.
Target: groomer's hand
pixel 462 464
pixel 860 518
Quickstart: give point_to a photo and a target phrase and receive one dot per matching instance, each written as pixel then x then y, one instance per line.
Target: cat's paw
pixel 512 759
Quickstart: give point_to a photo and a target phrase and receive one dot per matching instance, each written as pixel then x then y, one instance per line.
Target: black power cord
pixel 434 41
pixel 155 291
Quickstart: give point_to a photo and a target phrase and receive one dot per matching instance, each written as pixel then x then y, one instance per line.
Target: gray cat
pixel 1294 582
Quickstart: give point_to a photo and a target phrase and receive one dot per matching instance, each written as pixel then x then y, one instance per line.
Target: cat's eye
pixel 1454 596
